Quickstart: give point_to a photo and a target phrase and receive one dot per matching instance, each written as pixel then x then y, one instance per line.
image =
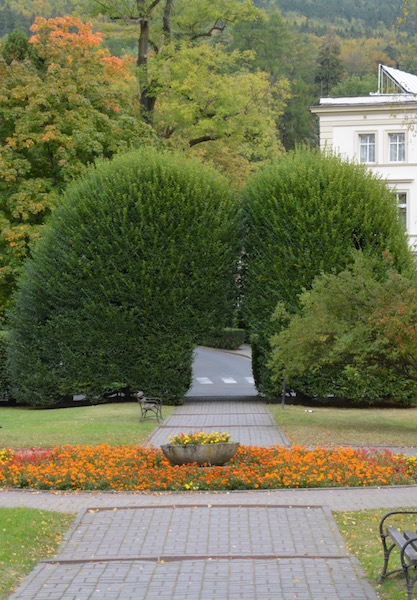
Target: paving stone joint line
pixel 92 509
pixel 181 557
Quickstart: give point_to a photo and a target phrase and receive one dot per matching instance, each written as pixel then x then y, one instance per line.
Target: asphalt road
pixel 220 373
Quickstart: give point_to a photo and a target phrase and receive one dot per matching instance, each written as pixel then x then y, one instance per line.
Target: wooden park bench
pixel 150 408
pixel 406 541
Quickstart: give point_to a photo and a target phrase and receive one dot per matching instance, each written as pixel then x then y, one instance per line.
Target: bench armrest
pixel 394 512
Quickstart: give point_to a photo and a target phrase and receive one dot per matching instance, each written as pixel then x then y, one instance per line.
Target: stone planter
pixel 210 454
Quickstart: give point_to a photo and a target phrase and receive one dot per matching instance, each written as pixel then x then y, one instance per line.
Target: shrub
pixel 229 339
pixel 355 337
pixel 301 217
pixel 136 264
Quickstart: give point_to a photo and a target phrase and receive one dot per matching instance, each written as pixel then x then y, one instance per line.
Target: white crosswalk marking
pixel 250 380
pixel 229 380
pixel 204 380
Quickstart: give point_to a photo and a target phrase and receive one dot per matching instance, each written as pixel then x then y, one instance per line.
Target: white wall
pixel 341 125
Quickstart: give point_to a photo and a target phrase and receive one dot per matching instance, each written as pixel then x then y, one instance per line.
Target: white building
pixel 380 131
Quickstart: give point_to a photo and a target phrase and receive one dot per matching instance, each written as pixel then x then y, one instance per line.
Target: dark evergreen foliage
pixel 229 338
pixel 135 266
pixel 329 70
pixel 4 379
pixel 301 217
pixel 17 47
pixel 11 19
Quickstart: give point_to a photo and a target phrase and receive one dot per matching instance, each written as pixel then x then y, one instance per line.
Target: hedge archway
pixel 137 263
pixel 303 216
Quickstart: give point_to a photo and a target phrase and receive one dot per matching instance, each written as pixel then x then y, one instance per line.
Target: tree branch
pixel 152 5
pixel 166 20
pixel 209 33
pixel 200 140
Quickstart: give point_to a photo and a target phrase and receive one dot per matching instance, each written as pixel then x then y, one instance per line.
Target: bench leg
pixel 155 410
pixel 387 553
pixel 410 581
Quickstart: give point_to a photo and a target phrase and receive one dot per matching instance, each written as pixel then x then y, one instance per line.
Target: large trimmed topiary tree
pixel 303 216
pixel 137 263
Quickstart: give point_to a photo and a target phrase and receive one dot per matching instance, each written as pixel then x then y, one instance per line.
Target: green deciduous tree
pixel 137 263
pixel 356 86
pixel 196 92
pixel 301 217
pixel 355 336
pixel 211 104
pixel 162 22
pixel 63 103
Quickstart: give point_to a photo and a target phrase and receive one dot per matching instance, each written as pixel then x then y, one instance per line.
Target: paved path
pixel 200 552
pixel 337 499
pixel 222 373
pixel 263 545
pixel 248 422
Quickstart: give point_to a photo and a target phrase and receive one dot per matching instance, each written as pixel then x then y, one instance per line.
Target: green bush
pixel 355 337
pixel 137 263
pixel 229 338
pixel 303 216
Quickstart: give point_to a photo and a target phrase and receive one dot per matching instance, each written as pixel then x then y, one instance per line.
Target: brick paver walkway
pixel 250 423
pixel 263 545
pixel 200 553
pixel 198 531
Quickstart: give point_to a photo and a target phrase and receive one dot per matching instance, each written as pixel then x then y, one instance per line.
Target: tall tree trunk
pixel 147 101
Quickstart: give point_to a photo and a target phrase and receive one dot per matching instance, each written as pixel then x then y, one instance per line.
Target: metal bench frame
pixel 407 543
pixel 150 408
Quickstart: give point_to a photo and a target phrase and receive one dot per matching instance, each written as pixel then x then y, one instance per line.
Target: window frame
pixel 402 206
pixel 397 145
pixel 368 145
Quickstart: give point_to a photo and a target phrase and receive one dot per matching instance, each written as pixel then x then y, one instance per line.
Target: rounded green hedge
pixel 137 263
pixel 303 216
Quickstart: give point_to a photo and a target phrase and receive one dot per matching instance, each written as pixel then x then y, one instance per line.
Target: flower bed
pixel 136 468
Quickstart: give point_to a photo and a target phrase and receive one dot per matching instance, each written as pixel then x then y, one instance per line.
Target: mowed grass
pixel 324 426
pixel 360 530
pixel 114 424
pixel 27 536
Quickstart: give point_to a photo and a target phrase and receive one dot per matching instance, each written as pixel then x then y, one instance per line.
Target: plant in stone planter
pixel 211 449
pixel 200 438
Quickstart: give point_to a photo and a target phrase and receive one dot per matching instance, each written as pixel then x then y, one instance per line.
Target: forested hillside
pixel 349 17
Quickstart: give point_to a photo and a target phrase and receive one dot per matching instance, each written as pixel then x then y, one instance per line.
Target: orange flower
pixel 136 468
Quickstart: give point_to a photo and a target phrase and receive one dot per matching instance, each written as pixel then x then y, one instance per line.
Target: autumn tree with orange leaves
pixel 62 105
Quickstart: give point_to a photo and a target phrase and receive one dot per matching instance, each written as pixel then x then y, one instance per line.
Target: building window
pixel 401 198
pixel 367 148
pixel 397 147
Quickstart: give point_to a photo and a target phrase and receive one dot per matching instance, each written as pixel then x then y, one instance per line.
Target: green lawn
pixel 360 530
pixel 112 423
pixel 348 426
pixel 27 536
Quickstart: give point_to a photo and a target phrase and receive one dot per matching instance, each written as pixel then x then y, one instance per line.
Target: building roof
pixel 394 87
pixel 395 80
pixel 377 100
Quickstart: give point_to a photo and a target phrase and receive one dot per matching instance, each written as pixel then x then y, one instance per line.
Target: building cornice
pixel 399 103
